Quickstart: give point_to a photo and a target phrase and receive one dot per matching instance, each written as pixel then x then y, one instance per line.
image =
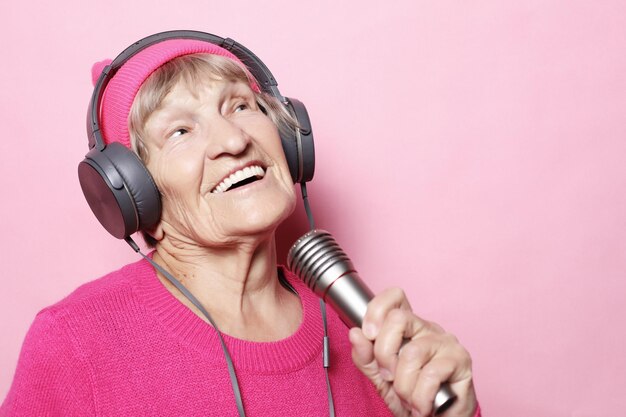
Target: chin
pixel 266 218
pixel 269 217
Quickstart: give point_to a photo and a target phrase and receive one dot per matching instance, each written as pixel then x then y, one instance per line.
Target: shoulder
pixel 92 310
pixel 54 370
pixel 95 295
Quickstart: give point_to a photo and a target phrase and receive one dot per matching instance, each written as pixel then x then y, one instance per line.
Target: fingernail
pixel 415 413
pixel 385 374
pixel 370 330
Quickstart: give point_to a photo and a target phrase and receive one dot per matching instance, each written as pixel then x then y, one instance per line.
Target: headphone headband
pixel 257 68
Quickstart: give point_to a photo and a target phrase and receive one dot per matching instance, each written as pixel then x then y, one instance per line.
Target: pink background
pixel 471 152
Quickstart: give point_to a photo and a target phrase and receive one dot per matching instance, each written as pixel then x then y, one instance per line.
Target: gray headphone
pixel 119 189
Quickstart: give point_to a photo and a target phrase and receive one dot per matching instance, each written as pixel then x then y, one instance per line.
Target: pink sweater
pixel 124 346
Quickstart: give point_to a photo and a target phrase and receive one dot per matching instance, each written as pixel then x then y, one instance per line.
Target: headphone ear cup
pixel 119 190
pixel 298 145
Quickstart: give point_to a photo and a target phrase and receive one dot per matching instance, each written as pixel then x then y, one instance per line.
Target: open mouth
pixel 240 178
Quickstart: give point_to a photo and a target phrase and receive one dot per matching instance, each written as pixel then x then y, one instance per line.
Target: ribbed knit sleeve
pixel 51 377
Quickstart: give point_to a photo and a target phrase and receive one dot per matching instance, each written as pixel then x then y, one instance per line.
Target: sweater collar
pixel 189 330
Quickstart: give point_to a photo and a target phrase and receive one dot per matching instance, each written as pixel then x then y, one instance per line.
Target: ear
pixel 157 232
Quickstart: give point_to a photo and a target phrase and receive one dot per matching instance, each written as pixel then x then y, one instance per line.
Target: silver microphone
pixel 317 259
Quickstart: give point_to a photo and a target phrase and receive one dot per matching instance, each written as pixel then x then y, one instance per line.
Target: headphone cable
pixel 307 207
pixel 229 362
pixel 326 341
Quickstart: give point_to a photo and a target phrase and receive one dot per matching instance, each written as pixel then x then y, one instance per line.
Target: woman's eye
pixel 242 106
pixel 178 132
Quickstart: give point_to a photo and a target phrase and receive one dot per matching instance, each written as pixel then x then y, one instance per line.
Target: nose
pixel 226 138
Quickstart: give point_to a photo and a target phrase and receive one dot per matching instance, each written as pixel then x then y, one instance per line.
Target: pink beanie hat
pixel 122 88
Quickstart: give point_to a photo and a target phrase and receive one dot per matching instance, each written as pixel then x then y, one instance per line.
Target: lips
pixel 239 178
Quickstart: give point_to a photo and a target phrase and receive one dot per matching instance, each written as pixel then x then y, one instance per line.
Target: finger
pixel 432 360
pixel 430 378
pixel 363 358
pixel 411 359
pixel 379 307
pixel 397 325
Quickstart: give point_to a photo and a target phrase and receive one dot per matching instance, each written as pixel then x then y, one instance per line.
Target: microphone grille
pixel 318 260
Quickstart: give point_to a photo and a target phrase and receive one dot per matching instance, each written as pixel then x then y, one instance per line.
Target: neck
pixel 237 285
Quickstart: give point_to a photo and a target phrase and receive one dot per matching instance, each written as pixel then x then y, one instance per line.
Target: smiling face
pixel 218 163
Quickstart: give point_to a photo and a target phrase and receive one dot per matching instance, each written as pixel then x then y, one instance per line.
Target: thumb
pixel 363 355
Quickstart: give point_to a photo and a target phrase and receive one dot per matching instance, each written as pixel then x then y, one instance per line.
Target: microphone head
pixel 317 259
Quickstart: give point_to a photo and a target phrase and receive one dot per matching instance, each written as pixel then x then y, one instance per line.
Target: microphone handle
pixel 351 287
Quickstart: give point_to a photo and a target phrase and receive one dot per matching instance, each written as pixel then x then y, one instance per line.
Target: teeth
pixel 235 177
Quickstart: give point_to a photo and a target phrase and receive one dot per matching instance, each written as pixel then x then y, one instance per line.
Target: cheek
pixel 291 206
pixel 266 133
pixel 178 185
pixel 176 174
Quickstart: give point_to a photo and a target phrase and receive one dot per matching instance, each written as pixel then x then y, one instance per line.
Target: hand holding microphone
pixel 318 260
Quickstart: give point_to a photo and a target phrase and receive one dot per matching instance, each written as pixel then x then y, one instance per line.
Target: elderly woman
pixel 208 323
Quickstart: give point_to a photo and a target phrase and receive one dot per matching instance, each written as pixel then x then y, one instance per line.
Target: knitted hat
pixel 122 88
